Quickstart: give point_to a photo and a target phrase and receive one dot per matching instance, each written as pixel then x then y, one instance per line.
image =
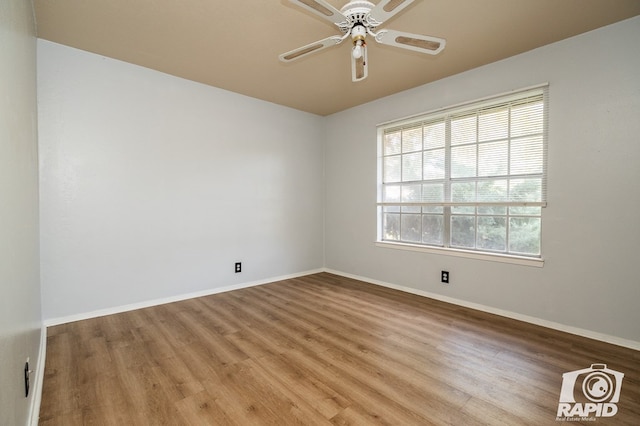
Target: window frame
pixel 445 115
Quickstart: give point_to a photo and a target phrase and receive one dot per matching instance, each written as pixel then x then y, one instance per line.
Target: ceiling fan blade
pixel 415 42
pixel 310 48
pixel 322 9
pixel 359 67
pixel 386 9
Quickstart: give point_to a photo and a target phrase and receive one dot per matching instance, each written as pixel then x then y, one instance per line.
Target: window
pixel 471 177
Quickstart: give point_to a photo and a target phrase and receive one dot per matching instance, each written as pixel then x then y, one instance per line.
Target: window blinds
pixel 491 152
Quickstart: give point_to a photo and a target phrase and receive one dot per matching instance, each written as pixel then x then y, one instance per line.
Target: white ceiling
pixel 234 45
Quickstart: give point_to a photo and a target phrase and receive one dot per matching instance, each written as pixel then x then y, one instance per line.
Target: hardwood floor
pixel 320 349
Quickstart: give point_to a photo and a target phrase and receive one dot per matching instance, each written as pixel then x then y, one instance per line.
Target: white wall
pixel 20 320
pixel 153 186
pixel 591 233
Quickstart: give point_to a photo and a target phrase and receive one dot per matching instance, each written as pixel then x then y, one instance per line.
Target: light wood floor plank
pixel 317 350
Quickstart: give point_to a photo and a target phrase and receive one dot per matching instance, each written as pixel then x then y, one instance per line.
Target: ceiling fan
pixel 357 19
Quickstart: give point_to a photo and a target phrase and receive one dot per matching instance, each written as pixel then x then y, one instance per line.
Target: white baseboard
pixel 148 303
pixel 36 386
pixel 632 344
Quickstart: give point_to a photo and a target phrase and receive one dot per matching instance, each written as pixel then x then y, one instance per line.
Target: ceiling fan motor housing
pixel 356 13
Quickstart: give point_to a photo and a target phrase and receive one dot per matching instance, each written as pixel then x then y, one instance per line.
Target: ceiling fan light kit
pixel 357 19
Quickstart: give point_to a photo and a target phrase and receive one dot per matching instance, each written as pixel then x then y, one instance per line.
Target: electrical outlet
pixel 238 267
pixel 27 372
pixel 444 277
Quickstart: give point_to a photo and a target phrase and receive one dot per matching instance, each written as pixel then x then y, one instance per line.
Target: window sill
pixel 491 257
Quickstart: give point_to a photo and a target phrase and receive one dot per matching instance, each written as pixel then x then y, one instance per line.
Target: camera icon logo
pixel 590 391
